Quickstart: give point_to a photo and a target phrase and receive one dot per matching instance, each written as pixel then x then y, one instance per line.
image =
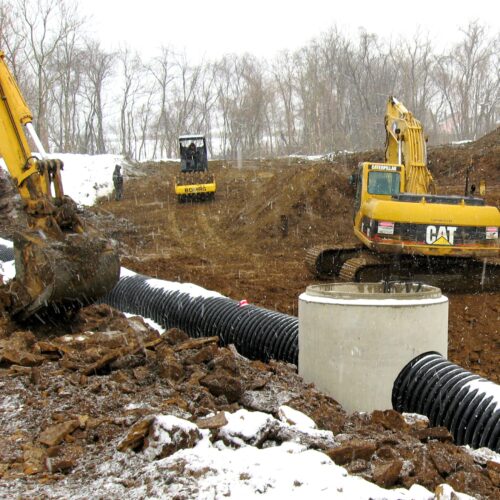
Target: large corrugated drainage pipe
pixel 466 404
pixel 257 333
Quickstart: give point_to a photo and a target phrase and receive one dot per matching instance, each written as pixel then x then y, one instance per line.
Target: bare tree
pixel 45 24
pixel 329 94
pixel 413 60
pixel 207 99
pixel 11 42
pixel 284 73
pixel 131 76
pixel 185 95
pixel 65 94
pixel 468 80
pixel 99 64
pixel 162 70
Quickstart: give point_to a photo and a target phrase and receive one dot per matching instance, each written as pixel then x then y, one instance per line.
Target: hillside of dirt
pixel 251 242
pixel 72 390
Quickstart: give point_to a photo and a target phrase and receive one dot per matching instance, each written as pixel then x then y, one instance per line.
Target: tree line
pixel 328 95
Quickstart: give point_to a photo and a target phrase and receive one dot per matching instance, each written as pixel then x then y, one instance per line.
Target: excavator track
pixel 455 276
pixel 364 268
pixel 325 262
pixel 353 263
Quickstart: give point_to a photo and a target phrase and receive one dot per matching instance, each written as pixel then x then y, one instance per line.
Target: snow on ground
pixel 86 177
pixel 229 466
pixel 7 270
pixel 6 243
pixel 459 143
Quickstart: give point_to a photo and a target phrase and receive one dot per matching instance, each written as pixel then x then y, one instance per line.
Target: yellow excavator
pixel 61 263
pixel 406 230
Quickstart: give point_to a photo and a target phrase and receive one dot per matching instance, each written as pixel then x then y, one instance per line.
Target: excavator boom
pixel 406 144
pixel 60 261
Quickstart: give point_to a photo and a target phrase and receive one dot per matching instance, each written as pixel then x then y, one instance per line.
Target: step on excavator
pixel 61 263
pixel 194 182
pixel 408 232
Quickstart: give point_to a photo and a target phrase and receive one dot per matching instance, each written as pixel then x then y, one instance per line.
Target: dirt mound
pixel 449 165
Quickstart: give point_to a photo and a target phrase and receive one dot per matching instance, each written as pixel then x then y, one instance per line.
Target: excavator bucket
pixel 53 276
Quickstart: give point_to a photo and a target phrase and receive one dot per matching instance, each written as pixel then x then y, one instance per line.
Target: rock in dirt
pixel 352 450
pixel 54 434
pixel 168 434
pixel 212 422
pixel 134 439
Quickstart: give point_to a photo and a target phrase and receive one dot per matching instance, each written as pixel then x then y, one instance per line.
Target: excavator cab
pixel 61 262
pixel 384 182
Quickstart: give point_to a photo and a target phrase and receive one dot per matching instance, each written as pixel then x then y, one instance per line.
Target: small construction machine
pixel 61 263
pixel 194 182
pixel 406 231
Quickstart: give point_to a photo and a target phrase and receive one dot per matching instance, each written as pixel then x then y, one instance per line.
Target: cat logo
pixel 442 235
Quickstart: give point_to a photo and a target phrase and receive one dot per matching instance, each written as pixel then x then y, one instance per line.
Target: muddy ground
pixel 68 388
pixel 251 241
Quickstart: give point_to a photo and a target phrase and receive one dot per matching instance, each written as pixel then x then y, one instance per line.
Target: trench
pixel 466 404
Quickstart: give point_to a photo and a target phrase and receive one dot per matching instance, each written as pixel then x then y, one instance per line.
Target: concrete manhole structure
pixel 355 338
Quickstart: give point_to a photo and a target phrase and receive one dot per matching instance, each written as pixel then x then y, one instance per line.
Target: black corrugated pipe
pixel 6 253
pixel 467 404
pixel 257 333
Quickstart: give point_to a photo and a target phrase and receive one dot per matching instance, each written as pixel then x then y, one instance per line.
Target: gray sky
pixel 210 28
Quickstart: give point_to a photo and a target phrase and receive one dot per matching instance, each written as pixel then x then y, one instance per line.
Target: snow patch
pixel 187 288
pixel 6 243
pixel 483 455
pixel 8 270
pixel 296 418
pixel 245 426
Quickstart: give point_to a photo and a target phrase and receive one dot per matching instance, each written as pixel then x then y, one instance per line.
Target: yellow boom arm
pixel 38 181
pixel 59 263
pixel 406 145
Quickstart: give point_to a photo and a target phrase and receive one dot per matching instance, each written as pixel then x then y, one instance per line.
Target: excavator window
pixel 387 183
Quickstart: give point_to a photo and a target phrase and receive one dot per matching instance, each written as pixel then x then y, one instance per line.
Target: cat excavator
pixel 61 263
pixel 405 230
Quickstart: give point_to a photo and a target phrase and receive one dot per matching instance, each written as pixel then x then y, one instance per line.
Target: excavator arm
pixel 406 145
pixel 60 262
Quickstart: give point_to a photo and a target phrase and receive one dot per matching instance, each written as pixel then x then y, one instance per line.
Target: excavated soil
pixel 69 388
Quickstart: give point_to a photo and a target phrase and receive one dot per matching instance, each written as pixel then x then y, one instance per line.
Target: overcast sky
pixel 211 28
